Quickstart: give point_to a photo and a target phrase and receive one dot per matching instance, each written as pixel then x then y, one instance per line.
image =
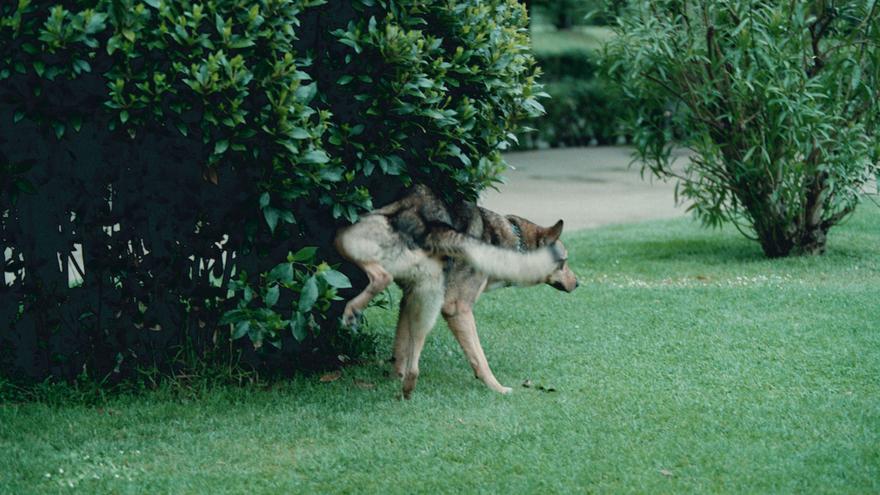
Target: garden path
pixel 587 187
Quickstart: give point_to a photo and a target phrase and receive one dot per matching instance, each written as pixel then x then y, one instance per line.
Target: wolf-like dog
pixel 443 257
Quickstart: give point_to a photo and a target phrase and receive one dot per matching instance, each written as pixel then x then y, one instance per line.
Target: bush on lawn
pixel 564 14
pixel 167 168
pixel 583 108
pixel 569 64
pixel 779 102
pixel 579 113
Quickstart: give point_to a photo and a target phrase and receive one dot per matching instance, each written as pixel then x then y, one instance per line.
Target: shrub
pixel 583 107
pixel 779 102
pixel 564 14
pixel 578 113
pixel 576 63
pixel 192 153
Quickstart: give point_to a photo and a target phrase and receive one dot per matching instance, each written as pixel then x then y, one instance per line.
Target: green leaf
pixel 17 116
pixel 82 65
pixel 299 133
pixel 316 156
pixel 221 146
pixel 113 44
pixel 264 200
pixel 241 329
pixel 248 294
pixel 331 174
pixel 298 327
pixel 342 81
pixel 856 76
pixel 96 23
pixel 256 335
pixel 287 216
pixel 272 296
pixel 336 279
pixel 271 215
pixel 281 273
pixel 234 316
pixel 306 93
pixel 305 254
pixel 153 3
pixel 59 129
pixel 434 114
pixel 309 295
pixel 352 43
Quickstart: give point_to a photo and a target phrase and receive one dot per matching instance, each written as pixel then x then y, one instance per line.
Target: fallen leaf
pixel 527 383
pixel 666 472
pixel 331 377
pixel 364 385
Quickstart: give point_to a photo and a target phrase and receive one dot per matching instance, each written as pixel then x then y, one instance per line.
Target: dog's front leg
pixel 463 325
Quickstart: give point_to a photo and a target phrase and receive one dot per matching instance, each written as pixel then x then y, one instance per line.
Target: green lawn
pixel 686 362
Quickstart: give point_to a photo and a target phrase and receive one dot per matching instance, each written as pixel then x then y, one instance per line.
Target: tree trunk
pixel 775 242
pixel 813 240
pixel 780 236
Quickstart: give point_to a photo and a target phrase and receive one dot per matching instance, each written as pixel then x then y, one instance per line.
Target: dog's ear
pixel 552 234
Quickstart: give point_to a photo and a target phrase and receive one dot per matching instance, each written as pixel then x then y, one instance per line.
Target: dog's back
pixel 400 235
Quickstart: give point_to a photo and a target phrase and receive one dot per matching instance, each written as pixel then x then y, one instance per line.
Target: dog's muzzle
pixel 562 287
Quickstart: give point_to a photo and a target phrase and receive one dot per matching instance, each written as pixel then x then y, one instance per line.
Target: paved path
pixel 587 187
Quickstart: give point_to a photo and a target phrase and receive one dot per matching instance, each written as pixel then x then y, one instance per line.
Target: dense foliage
pixel 564 14
pixel 166 166
pixel 579 112
pixel 583 107
pixel 780 103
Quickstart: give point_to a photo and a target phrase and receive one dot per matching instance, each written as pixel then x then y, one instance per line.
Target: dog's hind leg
pixel 401 339
pixel 379 280
pixel 361 244
pixel 460 318
pixel 418 313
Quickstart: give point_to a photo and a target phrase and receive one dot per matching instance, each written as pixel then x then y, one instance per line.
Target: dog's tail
pixel 524 268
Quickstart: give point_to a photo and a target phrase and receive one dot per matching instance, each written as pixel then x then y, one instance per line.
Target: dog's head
pixel 562 278
pixel 535 237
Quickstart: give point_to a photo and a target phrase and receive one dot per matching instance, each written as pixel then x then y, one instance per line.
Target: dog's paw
pixel 396 368
pixel 505 390
pixel 352 319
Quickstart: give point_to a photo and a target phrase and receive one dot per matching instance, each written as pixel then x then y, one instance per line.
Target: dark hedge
pixel 166 167
pixel 583 109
